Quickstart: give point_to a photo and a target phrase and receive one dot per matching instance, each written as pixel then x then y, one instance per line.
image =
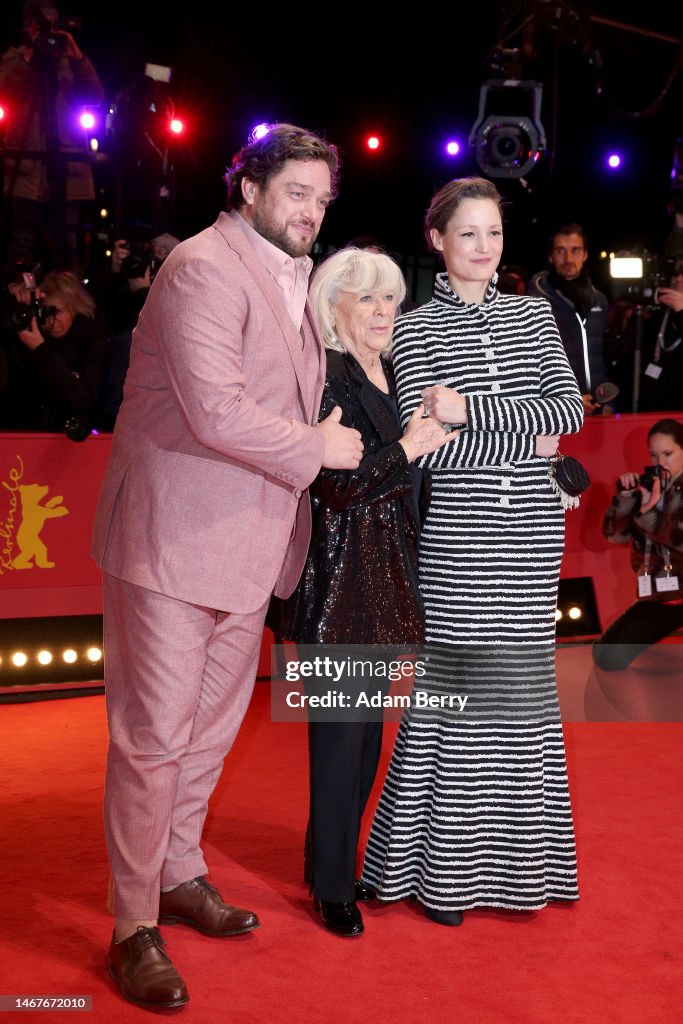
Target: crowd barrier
pixel 50 486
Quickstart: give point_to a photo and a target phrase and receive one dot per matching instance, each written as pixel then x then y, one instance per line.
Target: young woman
pixel 475 809
pixel 648 513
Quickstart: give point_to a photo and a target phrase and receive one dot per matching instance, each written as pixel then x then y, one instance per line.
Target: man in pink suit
pixel 203 514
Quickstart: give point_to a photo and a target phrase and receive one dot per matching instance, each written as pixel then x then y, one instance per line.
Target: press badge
pixel 654 371
pixel 664 584
pixel 645 585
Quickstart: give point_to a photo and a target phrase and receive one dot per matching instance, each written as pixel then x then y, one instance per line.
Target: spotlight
pixel 508 135
pixel 94 145
pixel 577 609
pixel 452 147
pixel 87 121
pixel 614 161
pixel 373 142
pixel 55 650
pixel 258 132
pixel 2 113
pixel 176 126
pixel 626 267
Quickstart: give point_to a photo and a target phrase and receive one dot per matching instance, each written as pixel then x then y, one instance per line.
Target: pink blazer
pixel 204 498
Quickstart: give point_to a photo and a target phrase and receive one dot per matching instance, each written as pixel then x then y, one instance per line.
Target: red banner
pixel 48 491
pixel 49 488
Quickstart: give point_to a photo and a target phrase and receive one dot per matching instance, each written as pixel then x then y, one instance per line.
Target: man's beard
pixel 278 236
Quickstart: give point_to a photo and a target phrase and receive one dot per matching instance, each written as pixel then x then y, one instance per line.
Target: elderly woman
pixel 359 584
pixel 56 365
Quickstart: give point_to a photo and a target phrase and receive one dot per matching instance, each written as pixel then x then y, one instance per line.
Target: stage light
pixel 626 267
pixel 614 161
pixel 104 213
pixel 508 136
pixel 87 121
pixel 577 609
pixel 258 132
pixel 57 650
pixel 94 145
pixel 373 142
pixel 177 126
pixel 452 147
pixel 2 113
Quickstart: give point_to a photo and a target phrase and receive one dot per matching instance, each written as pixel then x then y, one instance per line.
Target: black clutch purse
pixel 569 479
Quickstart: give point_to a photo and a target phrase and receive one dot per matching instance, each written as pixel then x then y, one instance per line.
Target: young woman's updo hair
pixel 447 200
pixel 351 270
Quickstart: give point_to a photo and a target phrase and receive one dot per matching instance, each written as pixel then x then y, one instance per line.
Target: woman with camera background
pixel 51 371
pixel 647 510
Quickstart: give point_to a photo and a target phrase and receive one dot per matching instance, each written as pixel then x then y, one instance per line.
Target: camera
pixel 50 40
pixel 639 277
pixel 77 428
pixel 17 316
pixel 650 474
pixel 140 259
pixel 508 137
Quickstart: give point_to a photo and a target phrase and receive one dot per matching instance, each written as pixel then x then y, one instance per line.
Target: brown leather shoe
pixel 199 905
pixel 143 971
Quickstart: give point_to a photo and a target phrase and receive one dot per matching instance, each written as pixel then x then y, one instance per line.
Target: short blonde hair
pixel 351 270
pixel 66 286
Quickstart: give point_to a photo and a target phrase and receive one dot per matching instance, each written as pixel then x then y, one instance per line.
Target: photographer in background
pixel 43 81
pixel 661 385
pixel 51 369
pixel 133 268
pixel 647 510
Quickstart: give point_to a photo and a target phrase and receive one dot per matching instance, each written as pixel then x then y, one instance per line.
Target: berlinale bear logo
pixel 22 547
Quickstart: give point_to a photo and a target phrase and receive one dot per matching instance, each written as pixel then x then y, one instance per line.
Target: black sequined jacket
pixel 360 581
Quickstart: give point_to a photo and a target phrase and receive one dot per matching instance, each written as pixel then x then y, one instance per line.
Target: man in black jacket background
pixel 580 310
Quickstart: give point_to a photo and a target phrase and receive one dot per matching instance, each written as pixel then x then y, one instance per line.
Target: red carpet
pixel 614 957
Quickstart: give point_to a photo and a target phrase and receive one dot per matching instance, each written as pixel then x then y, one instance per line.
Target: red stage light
pixel 373 142
pixel 177 126
pixel 2 113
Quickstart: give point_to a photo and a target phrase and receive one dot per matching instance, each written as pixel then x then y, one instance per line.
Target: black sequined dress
pixel 359 586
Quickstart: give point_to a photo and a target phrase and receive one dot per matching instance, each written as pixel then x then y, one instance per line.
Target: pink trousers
pixel 178 681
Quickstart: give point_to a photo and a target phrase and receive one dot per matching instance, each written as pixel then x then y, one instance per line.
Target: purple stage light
pixel 259 131
pixel 87 120
pixel 452 147
pixel 614 161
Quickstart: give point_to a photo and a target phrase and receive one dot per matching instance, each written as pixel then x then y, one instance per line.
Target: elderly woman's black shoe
pixel 362 892
pixel 452 918
pixel 340 918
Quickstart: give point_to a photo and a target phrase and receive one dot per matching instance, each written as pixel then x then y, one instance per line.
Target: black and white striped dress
pixel 475 808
